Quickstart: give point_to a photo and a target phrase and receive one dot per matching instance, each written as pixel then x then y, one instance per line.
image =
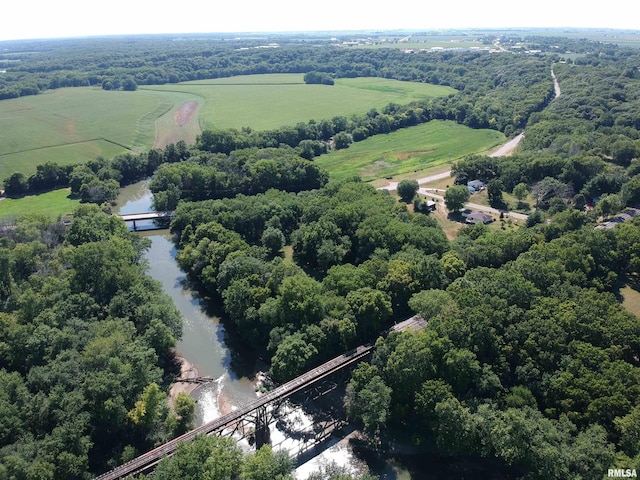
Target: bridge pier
pixel 262 432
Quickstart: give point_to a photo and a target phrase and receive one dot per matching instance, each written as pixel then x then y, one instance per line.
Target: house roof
pixel 476 183
pixel 476 217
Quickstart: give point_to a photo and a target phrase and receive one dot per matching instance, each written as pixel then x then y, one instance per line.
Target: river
pixel 204 340
pixel 206 345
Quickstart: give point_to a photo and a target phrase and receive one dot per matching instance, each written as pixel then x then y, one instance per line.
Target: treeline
pixel 318 78
pixel 34 66
pixel 86 339
pixel 97 180
pixel 245 171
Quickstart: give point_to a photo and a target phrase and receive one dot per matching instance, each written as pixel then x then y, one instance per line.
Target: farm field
pixel 72 125
pixel 263 102
pixel 409 150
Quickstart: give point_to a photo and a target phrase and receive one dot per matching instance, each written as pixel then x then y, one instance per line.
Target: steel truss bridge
pixel 256 410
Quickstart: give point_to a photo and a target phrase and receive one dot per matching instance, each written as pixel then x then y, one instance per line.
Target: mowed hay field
pixel 264 102
pixel 409 150
pixel 73 125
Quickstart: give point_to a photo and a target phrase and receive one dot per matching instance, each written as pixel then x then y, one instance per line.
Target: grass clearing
pixel 631 300
pixel 70 125
pixel 409 150
pixel 53 203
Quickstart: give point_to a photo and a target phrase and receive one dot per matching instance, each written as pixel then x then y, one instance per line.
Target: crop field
pixel 409 150
pixel 72 125
pixel 263 102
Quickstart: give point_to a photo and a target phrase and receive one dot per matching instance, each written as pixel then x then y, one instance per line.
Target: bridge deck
pixel 153 457
pixel 146 216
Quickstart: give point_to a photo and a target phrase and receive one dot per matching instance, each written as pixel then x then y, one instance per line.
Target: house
pixel 475 186
pixel 478 217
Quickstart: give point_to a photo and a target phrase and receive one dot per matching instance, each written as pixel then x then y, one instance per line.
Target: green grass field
pixel 72 125
pixel 409 150
pixel 630 299
pixel 54 203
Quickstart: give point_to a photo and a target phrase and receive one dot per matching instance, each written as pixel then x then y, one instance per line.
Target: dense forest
pixel 86 342
pixel 528 357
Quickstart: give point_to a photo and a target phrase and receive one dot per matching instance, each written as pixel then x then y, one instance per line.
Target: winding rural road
pixel 505 149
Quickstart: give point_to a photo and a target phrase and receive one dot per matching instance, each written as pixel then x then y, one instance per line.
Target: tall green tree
pixel 407 189
pixel 455 197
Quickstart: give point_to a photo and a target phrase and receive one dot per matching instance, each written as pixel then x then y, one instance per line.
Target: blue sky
pixel 62 18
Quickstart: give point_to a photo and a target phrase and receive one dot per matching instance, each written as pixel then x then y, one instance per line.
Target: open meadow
pixel 72 125
pixel 409 150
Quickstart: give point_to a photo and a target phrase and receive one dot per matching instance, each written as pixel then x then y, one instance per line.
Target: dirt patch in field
pixel 406 155
pixel 180 124
pixel 374 169
pixel 185 113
